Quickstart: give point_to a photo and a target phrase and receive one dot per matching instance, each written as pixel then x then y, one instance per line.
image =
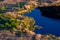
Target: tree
pixel 2 8
pixel 19 7
pixel 8 23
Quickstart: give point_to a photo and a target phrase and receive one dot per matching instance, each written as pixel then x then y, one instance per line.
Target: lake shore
pixel 6 35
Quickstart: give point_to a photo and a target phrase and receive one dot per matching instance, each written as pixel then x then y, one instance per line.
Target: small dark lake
pixel 50 25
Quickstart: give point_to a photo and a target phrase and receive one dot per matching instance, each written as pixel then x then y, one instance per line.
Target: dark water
pixel 50 25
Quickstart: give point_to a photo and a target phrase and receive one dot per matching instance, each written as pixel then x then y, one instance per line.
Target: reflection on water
pixel 50 25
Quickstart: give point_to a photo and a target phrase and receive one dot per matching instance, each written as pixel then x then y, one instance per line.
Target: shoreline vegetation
pixel 49 3
pixel 15 26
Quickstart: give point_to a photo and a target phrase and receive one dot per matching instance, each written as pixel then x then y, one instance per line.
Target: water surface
pixel 50 25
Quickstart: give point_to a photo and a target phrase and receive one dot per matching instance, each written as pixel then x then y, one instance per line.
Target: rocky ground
pixel 25 25
pixel 6 35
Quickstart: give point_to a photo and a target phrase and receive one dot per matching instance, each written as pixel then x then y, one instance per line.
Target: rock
pixel 38 36
pixel 30 33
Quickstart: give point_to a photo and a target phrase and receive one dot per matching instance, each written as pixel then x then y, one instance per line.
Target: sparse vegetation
pixel 21 26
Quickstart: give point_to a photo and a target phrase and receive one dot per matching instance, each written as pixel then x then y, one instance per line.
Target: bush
pixel 8 23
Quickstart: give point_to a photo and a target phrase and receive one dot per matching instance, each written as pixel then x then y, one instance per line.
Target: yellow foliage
pixel 14 29
pixel 2 8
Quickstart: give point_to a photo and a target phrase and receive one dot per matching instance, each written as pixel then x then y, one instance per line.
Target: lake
pixel 50 25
